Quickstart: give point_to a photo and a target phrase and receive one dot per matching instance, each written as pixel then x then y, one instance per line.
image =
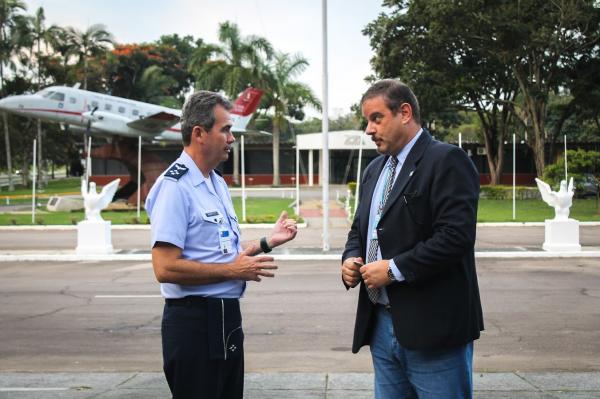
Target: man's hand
pixel 375 274
pixel 247 267
pixel 351 271
pixel 284 230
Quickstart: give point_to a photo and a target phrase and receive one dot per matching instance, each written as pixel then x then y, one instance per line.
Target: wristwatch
pixel 264 245
pixel 391 274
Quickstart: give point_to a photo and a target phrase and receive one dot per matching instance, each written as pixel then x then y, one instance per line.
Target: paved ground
pixel 542 316
pixel 290 385
pixel 92 329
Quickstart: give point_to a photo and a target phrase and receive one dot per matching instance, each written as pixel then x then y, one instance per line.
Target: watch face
pixel 391 275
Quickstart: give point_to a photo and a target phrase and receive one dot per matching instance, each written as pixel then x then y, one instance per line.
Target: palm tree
pixel 154 85
pixel 286 98
pixel 9 13
pixel 231 66
pixel 60 40
pixel 234 64
pixel 94 41
pixel 39 34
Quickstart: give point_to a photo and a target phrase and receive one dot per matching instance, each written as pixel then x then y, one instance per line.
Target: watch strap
pixel 264 245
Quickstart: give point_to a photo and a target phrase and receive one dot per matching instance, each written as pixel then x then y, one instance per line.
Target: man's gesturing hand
pixel 351 271
pixel 247 267
pixel 284 230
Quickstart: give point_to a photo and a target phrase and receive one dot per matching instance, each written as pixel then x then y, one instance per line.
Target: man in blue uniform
pixel 199 259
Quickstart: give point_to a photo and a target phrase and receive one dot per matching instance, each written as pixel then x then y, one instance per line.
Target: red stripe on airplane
pixel 51 110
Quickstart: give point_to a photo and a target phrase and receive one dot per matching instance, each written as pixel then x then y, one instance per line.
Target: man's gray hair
pixel 395 93
pixel 198 110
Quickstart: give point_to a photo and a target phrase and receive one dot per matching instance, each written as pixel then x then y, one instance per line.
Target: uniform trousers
pixel 198 360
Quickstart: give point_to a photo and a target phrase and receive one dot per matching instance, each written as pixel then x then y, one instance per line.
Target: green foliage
pixel 506 192
pixel 352 187
pixel 579 162
pixel 503 60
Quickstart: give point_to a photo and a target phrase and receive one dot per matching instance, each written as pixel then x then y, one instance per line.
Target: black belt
pixel 193 301
pixel 187 301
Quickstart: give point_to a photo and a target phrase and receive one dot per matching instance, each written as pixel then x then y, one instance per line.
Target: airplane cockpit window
pixel 58 96
pixel 45 93
pixel 72 100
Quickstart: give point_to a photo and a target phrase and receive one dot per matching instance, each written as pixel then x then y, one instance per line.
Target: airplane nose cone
pixel 10 104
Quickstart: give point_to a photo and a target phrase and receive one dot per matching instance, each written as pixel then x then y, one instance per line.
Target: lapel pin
pixel 411 173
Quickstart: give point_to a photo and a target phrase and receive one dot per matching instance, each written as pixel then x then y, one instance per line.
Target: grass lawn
pixel 265 210
pixel 533 210
pixel 71 185
pixel 258 210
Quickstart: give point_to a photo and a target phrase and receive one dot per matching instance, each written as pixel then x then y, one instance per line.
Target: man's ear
pixel 197 131
pixel 407 112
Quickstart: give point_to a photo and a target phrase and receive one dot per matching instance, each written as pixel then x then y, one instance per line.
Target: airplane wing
pixel 155 123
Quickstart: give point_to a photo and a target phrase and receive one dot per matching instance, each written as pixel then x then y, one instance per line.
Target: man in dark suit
pixel 411 249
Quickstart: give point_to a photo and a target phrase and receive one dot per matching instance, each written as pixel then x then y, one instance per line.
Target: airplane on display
pixel 104 115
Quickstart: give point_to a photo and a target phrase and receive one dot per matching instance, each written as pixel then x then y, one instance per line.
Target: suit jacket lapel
pixel 408 168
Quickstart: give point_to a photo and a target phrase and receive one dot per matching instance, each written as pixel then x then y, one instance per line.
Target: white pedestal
pixel 562 235
pixel 94 237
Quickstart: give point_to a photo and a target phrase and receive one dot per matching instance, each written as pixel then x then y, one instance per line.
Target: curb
pixel 132 226
pixel 147 257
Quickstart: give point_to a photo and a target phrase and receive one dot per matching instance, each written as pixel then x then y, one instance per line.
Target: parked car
pixel 588 186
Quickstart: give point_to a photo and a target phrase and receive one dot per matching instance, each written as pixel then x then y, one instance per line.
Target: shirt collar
pixel 194 171
pixel 406 149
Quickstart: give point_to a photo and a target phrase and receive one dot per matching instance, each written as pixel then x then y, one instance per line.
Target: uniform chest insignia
pixel 176 171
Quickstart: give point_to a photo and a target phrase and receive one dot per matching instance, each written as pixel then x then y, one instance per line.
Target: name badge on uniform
pixel 213 217
pixel 225 239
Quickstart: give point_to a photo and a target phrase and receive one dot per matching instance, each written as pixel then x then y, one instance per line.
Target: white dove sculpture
pixel 94 202
pixel 560 200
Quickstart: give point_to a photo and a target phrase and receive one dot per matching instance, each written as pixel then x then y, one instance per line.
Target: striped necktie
pixel 374 243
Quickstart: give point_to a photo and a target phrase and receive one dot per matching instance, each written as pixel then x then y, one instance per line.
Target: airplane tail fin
pixel 243 108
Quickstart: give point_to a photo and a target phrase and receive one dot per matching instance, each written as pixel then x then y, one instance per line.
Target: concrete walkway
pixel 289 385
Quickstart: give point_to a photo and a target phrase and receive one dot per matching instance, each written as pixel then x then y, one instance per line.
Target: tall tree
pixel 542 42
pixel 232 65
pixel 236 62
pixel 161 66
pixel 93 42
pixel 9 12
pixel 286 98
pixel 450 66
pixel 39 35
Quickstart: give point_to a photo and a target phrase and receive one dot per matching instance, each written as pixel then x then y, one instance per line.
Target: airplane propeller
pixel 89 121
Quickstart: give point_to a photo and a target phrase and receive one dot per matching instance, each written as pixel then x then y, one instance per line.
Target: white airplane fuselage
pixel 105 115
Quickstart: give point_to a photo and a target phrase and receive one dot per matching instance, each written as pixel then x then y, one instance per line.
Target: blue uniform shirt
pixel 187 211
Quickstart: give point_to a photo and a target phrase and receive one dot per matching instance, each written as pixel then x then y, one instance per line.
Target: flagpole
pixel 33 182
pixel 325 129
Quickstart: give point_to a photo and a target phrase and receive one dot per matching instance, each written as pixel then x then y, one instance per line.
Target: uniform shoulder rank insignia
pixel 176 171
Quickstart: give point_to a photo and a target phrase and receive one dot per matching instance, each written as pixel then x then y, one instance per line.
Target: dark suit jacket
pixel 428 228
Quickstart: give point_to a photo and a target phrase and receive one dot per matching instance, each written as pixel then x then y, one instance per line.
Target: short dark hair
pixel 198 110
pixel 395 93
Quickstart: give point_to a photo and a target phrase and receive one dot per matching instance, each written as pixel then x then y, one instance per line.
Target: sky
pixel 292 26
